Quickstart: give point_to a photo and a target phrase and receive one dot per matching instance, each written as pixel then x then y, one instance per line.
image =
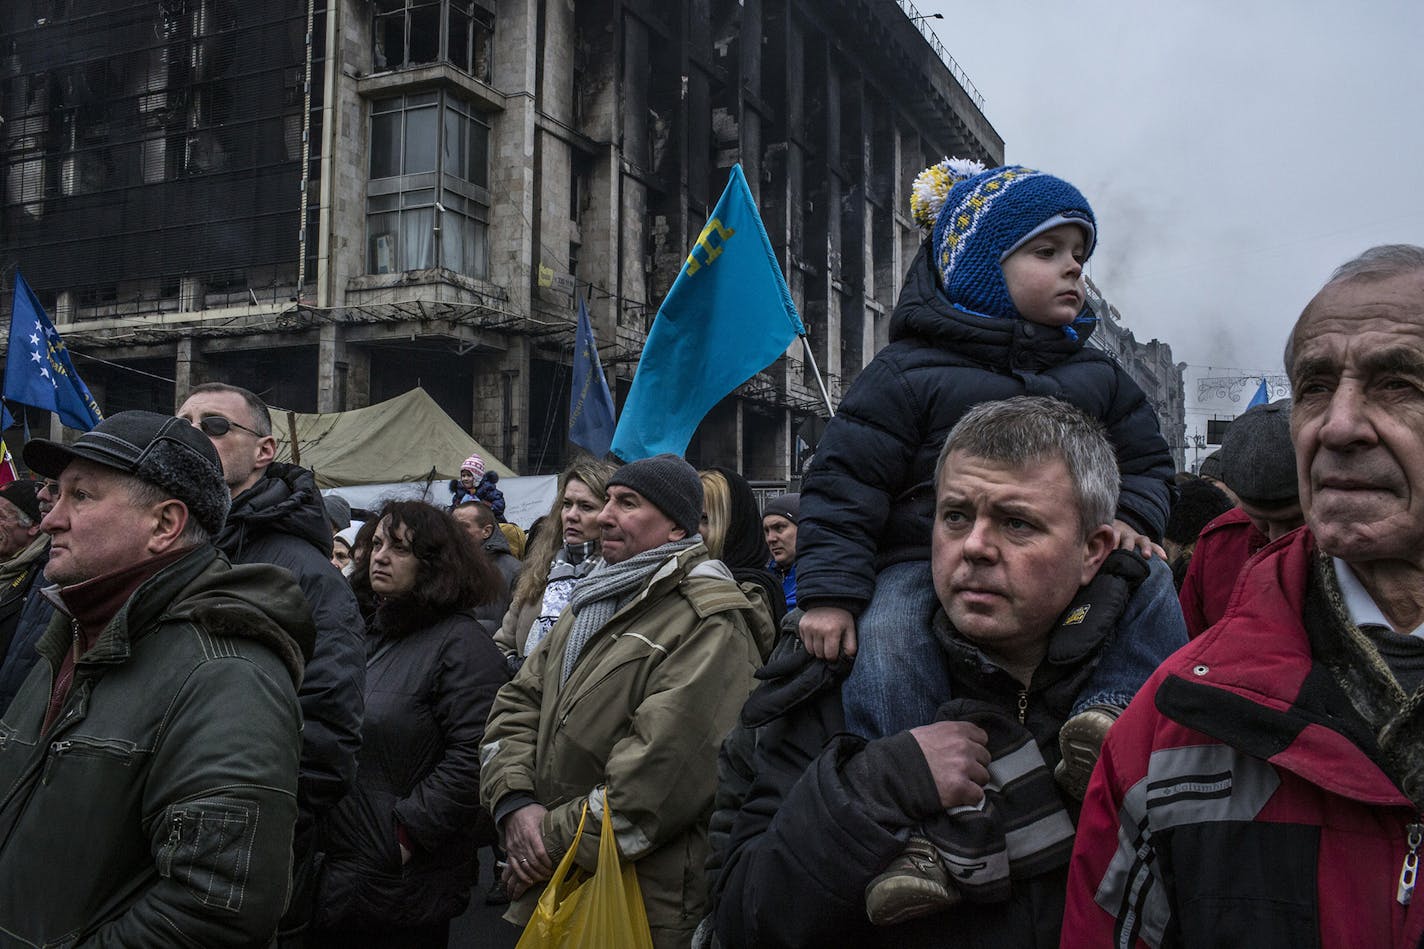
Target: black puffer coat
pixel 429 686
pixel 280 520
pixel 868 499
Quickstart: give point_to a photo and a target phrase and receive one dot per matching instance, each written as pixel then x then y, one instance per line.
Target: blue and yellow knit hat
pixel 981 217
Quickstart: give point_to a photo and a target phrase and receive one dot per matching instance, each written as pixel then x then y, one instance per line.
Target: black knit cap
pixel 784 505
pixel 160 450
pixel 670 483
pixel 1258 457
pixel 24 495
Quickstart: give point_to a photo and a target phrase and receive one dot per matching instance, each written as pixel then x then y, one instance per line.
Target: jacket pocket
pixel 1244 883
pixel 209 849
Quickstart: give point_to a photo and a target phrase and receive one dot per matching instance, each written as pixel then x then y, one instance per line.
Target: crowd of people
pixel 998 676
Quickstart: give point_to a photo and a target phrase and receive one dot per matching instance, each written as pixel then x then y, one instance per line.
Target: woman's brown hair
pixel 529 588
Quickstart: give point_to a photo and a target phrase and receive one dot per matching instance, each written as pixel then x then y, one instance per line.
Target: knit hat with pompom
pixel 978 218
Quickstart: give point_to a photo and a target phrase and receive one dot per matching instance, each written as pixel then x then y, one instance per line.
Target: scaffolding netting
pixel 147 142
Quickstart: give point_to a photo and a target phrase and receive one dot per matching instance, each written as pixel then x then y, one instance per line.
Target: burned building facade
pixel 332 201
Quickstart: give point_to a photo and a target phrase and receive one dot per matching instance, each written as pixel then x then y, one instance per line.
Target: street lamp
pixel 927 16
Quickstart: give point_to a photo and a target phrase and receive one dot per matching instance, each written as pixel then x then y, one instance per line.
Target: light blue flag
pixel 38 371
pixel 1262 396
pixel 590 403
pixel 728 316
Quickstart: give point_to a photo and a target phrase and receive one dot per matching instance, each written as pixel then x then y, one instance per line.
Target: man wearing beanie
pixel 1258 465
pixel 778 521
pixel 661 630
pixel 150 762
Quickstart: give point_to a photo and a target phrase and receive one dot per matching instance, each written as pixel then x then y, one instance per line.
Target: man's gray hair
pixel 23 519
pixel 1028 430
pixel 1381 262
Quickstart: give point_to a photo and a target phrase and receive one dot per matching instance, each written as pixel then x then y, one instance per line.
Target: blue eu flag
pixel 590 404
pixel 38 371
pixel 728 316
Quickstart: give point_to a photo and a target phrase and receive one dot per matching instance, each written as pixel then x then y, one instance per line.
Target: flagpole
pixel 815 371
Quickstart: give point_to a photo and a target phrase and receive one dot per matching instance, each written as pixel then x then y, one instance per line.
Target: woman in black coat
pixel 400 849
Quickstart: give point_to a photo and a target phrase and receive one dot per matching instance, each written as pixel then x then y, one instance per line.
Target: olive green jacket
pixel 642 715
pixel 158 809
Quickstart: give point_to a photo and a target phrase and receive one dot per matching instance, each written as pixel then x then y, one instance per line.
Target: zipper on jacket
pixel 175 834
pixel 1023 706
pixel 56 749
pixel 1410 871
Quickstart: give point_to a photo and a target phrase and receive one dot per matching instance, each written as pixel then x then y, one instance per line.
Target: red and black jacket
pixel 1255 791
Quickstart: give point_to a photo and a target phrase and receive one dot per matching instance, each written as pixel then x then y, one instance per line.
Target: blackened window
pixel 410 33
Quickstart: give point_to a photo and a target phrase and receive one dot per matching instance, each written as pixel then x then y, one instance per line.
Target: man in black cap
pixel 149 767
pixel 24 549
pixel 1258 465
pixel 661 630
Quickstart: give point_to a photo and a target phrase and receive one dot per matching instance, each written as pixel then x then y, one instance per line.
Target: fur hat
pixel 1258 456
pixel 1198 503
pixel 474 464
pixel 670 483
pixel 160 450
pixel 983 217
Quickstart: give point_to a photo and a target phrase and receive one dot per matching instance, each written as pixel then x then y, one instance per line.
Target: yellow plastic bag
pixel 579 911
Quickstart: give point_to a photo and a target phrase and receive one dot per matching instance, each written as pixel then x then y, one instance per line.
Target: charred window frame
pixel 410 33
pixel 428 195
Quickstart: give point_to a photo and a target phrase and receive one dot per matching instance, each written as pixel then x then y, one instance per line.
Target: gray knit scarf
pixel 599 595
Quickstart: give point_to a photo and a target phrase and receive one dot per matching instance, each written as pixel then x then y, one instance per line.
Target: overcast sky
pixel 1234 152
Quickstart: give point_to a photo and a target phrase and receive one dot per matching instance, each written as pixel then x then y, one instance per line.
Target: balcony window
pixel 427 202
pixel 410 33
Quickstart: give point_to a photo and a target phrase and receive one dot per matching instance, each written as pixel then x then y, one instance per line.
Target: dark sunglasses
pixel 215 426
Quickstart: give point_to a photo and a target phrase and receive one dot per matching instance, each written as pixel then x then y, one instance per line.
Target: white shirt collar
pixel 1359 604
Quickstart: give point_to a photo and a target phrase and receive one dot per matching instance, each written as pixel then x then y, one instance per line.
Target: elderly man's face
pixel 95 526
pixel 15 534
pixel 1358 418
pixel 632 524
pixel 1008 550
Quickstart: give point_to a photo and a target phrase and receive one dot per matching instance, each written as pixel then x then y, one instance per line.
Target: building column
pixel 331 369
pixel 501 397
pixel 189 369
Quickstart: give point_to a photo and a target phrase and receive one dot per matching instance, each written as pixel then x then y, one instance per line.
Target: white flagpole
pixel 815 371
